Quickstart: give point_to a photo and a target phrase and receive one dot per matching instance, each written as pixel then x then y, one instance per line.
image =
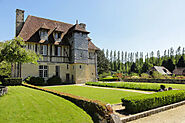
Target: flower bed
pixel 97 110
pixel 147 102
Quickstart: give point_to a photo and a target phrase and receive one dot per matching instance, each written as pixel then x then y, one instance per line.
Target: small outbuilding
pixel 160 69
pixel 179 71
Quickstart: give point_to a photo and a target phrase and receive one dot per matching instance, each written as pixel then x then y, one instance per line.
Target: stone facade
pixel 72 56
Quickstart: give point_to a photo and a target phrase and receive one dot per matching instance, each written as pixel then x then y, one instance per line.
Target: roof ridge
pixel 49 19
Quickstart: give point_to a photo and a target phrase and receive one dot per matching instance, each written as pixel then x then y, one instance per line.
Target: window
pixel 57 70
pixel 72 77
pixel 57 35
pixel 80 66
pixel 36 48
pixel 29 46
pixel 59 51
pixel 67 77
pixel 56 50
pixel 67 66
pixel 43 71
pixel 43 49
pixel 43 34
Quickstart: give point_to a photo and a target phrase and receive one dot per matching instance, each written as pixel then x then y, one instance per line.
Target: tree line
pixel 137 62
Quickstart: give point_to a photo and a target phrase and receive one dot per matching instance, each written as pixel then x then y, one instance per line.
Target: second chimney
pixel 82 25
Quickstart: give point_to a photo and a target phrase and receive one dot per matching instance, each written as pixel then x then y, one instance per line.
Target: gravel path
pixel 176 115
pixel 144 92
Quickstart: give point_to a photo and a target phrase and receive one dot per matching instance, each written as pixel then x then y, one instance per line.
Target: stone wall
pixel 3 90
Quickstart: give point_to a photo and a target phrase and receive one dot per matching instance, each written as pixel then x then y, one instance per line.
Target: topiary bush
pixel 35 80
pixel 54 80
pixel 12 81
pixel 149 101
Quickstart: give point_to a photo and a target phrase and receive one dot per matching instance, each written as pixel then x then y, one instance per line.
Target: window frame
pixel 43 71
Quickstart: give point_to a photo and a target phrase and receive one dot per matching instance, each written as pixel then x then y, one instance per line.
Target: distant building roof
pixel 179 71
pixel 161 70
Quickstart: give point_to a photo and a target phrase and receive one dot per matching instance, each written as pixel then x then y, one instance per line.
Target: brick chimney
pixel 19 21
pixel 82 25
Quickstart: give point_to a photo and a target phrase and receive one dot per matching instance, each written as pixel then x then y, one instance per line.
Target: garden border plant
pixel 99 111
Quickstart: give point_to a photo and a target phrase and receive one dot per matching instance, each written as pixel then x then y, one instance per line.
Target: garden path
pixel 175 115
pixel 138 91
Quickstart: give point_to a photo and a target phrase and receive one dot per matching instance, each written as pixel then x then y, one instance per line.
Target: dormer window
pixel 57 35
pixel 44 34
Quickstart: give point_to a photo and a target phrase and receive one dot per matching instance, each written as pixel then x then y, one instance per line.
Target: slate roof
pixel 32 25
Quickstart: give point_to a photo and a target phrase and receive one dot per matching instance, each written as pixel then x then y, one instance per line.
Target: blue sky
pixel 126 25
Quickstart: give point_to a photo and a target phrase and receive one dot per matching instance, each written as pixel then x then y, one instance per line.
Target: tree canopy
pixel 14 51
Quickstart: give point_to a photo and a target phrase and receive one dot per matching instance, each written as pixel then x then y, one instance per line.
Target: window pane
pixel 40 73
pixel 41 49
pixel 41 67
pixel 45 67
pixel 44 49
pixel 45 73
pixel 59 51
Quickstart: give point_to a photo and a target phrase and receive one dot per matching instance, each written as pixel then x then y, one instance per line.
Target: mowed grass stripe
pixel 103 95
pixel 23 104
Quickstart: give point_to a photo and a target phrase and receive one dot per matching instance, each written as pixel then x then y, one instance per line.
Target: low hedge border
pixel 138 104
pixel 12 81
pixel 127 85
pixel 150 112
pixel 99 111
pixel 171 81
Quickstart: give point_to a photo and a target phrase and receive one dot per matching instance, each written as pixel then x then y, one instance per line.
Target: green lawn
pixel 26 105
pixel 103 95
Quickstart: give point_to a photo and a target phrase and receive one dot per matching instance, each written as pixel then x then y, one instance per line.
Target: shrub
pixel 36 81
pixel 54 80
pixel 157 75
pixel 12 81
pixel 145 75
pixel 134 74
pixel 162 87
pixel 149 101
pixel 127 85
pixel 110 78
pixel 27 79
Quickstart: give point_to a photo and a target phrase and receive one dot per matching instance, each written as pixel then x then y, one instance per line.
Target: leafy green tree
pixel 115 61
pixel 146 66
pixel 118 61
pixel 169 65
pixel 111 61
pixel 14 51
pixel 181 62
pixel 102 62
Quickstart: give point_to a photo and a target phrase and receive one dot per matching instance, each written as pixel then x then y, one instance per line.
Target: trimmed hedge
pixel 171 81
pixel 35 80
pixel 149 101
pixel 99 111
pixel 127 85
pixel 54 80
pixel 12 81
